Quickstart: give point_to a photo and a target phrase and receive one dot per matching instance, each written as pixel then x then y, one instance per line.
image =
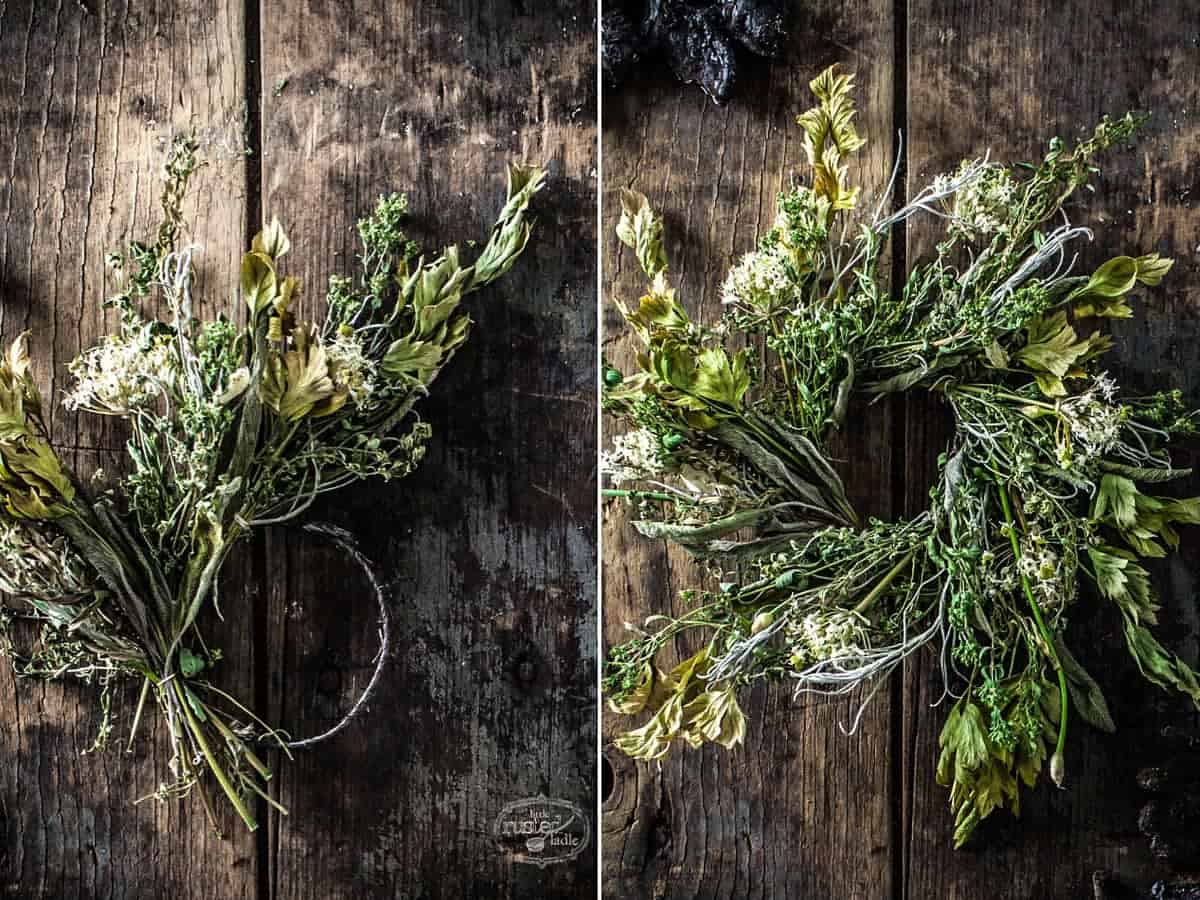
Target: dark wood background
pixel 802 811
pixel 309 110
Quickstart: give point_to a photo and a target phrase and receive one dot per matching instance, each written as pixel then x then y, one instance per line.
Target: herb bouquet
pixel 1048 484
pixel 232 427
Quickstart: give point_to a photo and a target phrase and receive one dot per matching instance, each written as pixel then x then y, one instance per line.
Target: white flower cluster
pixel 1043 568
pixel 635 456
pixel 122 374
pixel 825 634
pixel 981 206
pixel 351 367
pixel 760 280
pixel 1095 422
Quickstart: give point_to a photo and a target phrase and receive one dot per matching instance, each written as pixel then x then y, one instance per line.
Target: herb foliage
pixel 1050 481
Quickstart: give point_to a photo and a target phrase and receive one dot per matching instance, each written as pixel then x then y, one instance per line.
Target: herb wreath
pixel 232 427
pixel 1049 479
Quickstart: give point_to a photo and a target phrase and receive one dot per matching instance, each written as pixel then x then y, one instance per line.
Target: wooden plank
pixel 801 810
pixel 490 549
pixel 1007 78
pixel 89 103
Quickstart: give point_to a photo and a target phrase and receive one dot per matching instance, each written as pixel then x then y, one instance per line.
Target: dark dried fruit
pixel 1106 887
pixel 1171 819
pixel 696 45
pixel 759 25
pixel 1175 890
pixel 698 39
pixel 620 46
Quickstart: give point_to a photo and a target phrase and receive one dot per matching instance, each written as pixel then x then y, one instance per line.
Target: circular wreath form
pixel 1049 479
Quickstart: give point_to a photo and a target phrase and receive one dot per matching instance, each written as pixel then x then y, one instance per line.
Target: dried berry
pixel 759 25
pixel 1106 887
pixel 1175 890
pixel 620 46
pixel 1171 818
pixel 696 44
pixel 698 39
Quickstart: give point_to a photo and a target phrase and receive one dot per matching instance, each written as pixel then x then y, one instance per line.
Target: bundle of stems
pixel 231 427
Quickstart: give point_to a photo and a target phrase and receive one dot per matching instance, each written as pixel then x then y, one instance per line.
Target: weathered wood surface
pixel 489 552
pixel 490 692
pixel 802 811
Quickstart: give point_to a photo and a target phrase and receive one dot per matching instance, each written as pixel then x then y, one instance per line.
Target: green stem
pixel 980 391
pixel 634 495
pixel 787 377
pixel 183 754
pixel 1056 763
pixel 230 738
pixel 884 583
pixel 210 757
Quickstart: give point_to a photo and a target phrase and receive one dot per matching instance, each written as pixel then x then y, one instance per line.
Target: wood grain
pixel 89 104
pixel 800 810
pixel 1007 79
pixel 490 552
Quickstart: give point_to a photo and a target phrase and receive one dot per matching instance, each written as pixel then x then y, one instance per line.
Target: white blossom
pixel 121 374
pixel 1095 425
pixel 760 280
pixel 826 634
pixel 981 205
pixel 351 367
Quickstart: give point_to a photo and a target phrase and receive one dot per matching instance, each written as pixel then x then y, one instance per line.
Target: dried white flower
pixel 351 368
pixel 1095 425
pixel 826 634
pixel 761 280
pixel 982 204
pixel 121 374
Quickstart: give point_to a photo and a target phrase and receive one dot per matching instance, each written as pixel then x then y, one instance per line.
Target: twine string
pixel 346 543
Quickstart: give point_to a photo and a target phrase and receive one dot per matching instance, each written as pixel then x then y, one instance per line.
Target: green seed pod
pixel 762 622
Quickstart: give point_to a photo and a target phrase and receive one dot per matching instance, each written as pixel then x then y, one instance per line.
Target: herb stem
pixel 884 583
pixel 1056 762
pixel 137 716
pixel 210 757
pixel 634 495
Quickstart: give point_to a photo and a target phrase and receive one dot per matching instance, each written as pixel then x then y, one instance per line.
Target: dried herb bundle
pixel 233 427
pixel 1050 481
